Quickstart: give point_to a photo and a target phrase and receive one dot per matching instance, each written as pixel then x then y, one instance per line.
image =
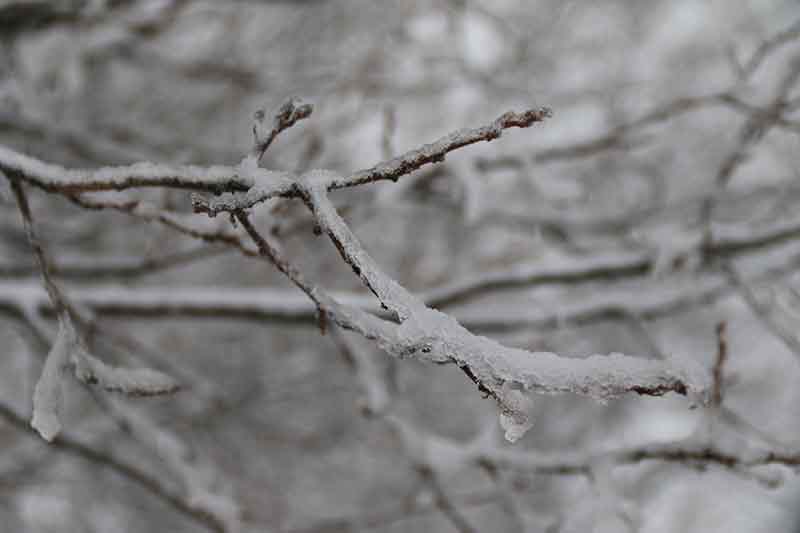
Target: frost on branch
pixel 432 336
pixel 601 377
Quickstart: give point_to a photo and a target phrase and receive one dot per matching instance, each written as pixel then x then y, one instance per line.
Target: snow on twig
pixel 393 169
pixel 430 335
pixel 287 115
pixel 68 350
pixel 128 381
pixel 48 394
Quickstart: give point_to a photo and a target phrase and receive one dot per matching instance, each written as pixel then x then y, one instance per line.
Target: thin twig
pixel 751 133
pixel 445 504
pixel 718 385
pixel 56 296
pixel 761 311
pixel 289 113
pixel 769 46
pixel 286 187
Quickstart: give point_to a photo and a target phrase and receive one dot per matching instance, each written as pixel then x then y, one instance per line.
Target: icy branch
pixel 429 335
pixel 436 151
pixel 54 178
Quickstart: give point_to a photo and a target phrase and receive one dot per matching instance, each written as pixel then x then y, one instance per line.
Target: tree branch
pixel 69 445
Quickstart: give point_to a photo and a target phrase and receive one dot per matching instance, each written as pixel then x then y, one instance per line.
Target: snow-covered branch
pixel 69 350
pixel 423 333
pixel 393 169
pixel 54 178
pixel 550 273
pixel 430 335
pixel 433 336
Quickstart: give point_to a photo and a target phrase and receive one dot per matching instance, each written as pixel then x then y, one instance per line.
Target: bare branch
pixel 621 137
pixel 751 133
pixel 719 365
pixel 688 453
pixel 445 504
pixel 761 311
pixel 98 267
pixel 56 296
pixel 769 46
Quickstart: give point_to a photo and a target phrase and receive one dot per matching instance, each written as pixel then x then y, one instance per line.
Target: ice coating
pixel 48 395
pixel 429 335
